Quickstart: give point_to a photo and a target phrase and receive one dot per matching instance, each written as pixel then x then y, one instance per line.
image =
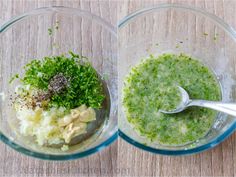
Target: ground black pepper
pixel 58 83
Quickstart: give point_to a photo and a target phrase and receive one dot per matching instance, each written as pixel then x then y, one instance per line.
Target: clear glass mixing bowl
pixel 179 29
pixel 28 37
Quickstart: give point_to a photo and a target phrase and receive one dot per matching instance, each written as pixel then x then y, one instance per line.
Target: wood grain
pixel 103 163
pixel 219 161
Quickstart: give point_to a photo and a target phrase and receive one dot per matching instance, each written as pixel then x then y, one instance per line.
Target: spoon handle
pixel 229 108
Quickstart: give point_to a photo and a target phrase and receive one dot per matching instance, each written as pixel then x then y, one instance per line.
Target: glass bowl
pixel 179 29
pixel 54 31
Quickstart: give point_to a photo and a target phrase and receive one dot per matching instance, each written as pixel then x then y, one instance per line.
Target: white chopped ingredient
pixel 88 115
pixel 53 126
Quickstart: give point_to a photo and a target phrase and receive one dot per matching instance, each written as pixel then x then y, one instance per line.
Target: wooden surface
pixel 13 163
pixel 220 161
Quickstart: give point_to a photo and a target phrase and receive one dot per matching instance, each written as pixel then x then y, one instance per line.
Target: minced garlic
pixel 54 126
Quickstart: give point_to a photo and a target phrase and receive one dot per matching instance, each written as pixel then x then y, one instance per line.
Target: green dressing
pixel 151 86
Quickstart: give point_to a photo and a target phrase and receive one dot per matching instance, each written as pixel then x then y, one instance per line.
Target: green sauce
pixel 151 86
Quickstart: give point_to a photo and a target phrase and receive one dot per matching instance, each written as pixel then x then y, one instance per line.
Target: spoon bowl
pixel 182 105
pixel 228 108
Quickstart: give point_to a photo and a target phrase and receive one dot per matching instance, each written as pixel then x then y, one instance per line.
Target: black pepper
pixel 58 83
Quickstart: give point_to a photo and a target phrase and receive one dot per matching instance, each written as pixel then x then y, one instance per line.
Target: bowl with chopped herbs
pixel 58 92
pixel 179 46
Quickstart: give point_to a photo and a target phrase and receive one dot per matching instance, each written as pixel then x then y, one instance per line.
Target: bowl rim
pixel 74 11
pixel 226 28
pixel 69 10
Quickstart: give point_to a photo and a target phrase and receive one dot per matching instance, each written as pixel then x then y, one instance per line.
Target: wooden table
pixel 122 159
pixel 221 160
pixel 13 163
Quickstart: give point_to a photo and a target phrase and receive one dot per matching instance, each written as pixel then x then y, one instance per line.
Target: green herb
pixel 55 45
pixel 216 37
pixel 57 25
pixel 49 31
pixel 16 76
pixel 84 86
pixel 205 34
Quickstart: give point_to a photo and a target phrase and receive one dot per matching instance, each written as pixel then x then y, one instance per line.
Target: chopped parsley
pixel 16 76
pixel 79 81
pixel 49 31
pixel 55 27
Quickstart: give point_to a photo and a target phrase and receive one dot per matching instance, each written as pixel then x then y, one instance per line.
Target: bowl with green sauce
pixel 164 47
pixel 58 83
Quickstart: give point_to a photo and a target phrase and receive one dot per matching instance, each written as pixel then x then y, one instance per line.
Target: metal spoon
pixel 228 108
